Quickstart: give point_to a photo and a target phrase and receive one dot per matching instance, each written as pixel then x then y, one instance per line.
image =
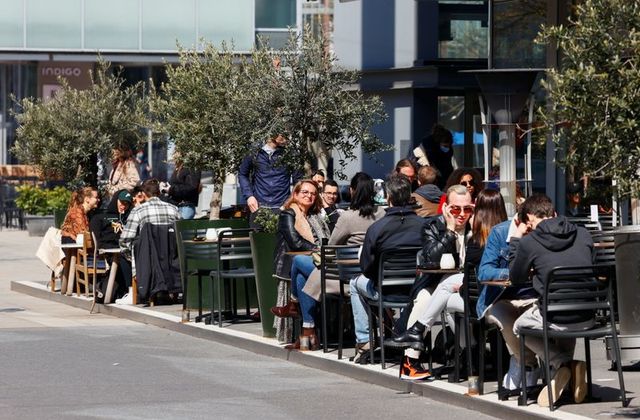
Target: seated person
pixel 428 194
pixel 400 227
pixel 107 227
pixel 76 221
pixel 330 197
pixel 350 230
pixel 301 227
pixel 541 242
pixel 489 211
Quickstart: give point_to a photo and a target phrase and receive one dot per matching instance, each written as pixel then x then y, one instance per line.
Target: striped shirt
pixel 153 211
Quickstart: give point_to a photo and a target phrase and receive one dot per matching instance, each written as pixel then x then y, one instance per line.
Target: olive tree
pixel 64 135
pixel 594 97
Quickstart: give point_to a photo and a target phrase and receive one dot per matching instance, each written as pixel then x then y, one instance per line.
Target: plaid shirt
pixel 153 211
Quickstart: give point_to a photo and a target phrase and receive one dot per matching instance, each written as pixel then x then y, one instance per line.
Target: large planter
pixel 38 225
pixel 263 246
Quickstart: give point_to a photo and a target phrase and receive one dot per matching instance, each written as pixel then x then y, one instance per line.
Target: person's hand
pixel 449 218
pixel 253 204
pixel 522 228
pixel 456 288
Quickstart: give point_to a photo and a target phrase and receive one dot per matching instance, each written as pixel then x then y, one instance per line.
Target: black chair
pixel 396 275
pixel 470 293
pixel 198 258
pixel 569 290
pixel 234 262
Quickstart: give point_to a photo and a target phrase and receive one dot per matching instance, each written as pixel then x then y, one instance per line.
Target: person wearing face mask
pixel 436 150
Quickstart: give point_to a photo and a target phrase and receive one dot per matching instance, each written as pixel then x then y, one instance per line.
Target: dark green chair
pixel 198 258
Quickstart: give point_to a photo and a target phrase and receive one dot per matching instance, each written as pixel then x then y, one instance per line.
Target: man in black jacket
pixel 400 227
pixel 542 242
pixel 445 234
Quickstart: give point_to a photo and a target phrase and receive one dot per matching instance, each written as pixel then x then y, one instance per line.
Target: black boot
pixel 413 337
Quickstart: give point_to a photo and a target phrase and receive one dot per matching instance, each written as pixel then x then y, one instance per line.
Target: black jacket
pixel 400 227
pixel 288 239
pixel 185 187
pixel 157 263
pixel 102 224
pixel 555 242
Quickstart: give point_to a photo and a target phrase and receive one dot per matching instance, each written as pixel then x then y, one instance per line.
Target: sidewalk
pixel 32 279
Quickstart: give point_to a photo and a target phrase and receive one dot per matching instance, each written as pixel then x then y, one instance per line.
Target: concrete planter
pixel 38 225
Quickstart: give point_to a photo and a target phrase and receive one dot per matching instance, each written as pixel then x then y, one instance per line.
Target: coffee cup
pixel 447 262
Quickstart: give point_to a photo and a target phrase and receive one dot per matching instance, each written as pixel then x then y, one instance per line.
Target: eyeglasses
pixel 456 210
pixel 307 192
pixel 466 183
pixel 330 193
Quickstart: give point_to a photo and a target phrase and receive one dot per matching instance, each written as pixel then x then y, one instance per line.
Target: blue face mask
pixel 444 149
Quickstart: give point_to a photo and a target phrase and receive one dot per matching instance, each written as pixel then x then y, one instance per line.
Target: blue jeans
pixel 361 286
pixel 301 268
pixel 187 212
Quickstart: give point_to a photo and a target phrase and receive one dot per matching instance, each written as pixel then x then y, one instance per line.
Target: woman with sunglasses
pixel 467 177
pixel 301 227
pixel 489 210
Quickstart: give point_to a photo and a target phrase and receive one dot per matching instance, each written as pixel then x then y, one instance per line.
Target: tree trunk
pixel 216 201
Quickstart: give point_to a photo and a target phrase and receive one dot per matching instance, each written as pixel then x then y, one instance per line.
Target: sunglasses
pixel 466 183
pixel 456 210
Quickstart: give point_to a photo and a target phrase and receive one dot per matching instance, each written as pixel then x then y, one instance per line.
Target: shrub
pixel 39 201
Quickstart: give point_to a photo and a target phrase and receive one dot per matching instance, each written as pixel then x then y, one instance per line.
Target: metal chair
pixel 198 258
pixel 571 290
pixel 396 275
pixel 339 263
pixel 234 262
pixel 470 294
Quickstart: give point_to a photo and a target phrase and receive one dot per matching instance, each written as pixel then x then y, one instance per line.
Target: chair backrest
pixel 397 267
pixel 235 245
pixel 605 249
pixel 569 290
pixel 347 268
pixel 471 288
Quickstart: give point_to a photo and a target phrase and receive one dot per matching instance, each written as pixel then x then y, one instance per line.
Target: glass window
pixel 451 116
pixel 227 20
pixel 11 23
pixel 462 29
pixel 275 13
pixel 160 15
pixel 112 24
pixel 516 24
pixel 54 24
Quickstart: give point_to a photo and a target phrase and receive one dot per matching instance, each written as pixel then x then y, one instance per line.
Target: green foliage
pixel 595 95
pixel 314 102
pixel 267 220
pixel 39 201
pixel 64 135
pixel 218 107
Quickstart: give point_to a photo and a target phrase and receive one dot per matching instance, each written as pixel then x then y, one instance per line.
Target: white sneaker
pixel 513 379
pixel 127 299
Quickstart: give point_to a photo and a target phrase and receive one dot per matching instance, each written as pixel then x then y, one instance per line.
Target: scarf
pixel 302 224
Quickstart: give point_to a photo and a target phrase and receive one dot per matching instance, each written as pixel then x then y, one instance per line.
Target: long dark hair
pixel 476 180
pixel 362 194
pixel 489 211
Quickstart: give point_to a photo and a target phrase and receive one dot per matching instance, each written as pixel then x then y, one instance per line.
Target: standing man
pixel 264 180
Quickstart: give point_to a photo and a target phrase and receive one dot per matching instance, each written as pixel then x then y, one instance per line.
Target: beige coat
pixel 350 230
pixel 125 176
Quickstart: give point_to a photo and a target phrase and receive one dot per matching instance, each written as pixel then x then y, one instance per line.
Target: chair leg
pixel 134 289
pixel 219 301
pixel 456 349
pixel 548 369
pixel 618 360
pixel 523 385
pixel 430 350
pixel 587 356
pixel 323 309
pixel 340 327
pixel 499 360
pixel 381 334
pixel 481 348
pixel 246 296
pixel 199 296
pixel 467 339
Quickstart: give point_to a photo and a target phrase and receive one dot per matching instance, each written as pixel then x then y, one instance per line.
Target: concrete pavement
pixel 246 336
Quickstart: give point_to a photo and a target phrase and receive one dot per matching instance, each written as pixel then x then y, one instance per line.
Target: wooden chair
pixel 88 265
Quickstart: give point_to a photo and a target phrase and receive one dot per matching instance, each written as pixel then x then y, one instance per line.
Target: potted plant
pixel 39 206
pixel 263 245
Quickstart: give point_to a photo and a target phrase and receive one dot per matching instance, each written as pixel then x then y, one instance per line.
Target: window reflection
pixel 462 29
pixel 516 23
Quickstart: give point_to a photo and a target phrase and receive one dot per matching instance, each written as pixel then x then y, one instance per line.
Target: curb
pixel 440 391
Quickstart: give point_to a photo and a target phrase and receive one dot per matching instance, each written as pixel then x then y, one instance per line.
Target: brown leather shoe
pixel 290 310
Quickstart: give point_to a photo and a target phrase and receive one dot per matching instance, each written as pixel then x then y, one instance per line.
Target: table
pixel 499 283
pixel 423 270
pixel 115 252
pixel 69 270
pixel 604 244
